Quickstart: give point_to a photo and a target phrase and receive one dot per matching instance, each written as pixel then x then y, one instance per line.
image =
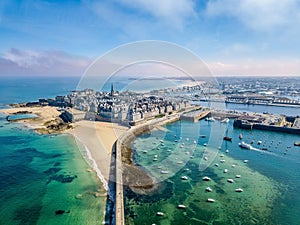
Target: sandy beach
pixel 98 138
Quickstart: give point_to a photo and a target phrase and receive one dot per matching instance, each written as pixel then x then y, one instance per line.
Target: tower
pixel 112 91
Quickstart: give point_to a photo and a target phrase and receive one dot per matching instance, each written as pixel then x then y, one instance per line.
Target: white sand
pixel 98 138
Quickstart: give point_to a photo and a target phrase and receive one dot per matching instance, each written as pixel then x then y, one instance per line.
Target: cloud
pixel 262 15
pixel 30 62
pixel 172 12
pixel 144 15
pixel 278 67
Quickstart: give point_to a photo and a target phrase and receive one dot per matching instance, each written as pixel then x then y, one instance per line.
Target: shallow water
pixel 269 180
pixel 40 174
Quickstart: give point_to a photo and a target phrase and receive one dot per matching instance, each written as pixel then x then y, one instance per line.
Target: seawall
pixel 126 172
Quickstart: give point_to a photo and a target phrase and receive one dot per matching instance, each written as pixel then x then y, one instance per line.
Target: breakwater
pixel 241 124
pixel 126 172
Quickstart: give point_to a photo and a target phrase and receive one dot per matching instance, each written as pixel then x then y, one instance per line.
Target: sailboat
pixel 226 137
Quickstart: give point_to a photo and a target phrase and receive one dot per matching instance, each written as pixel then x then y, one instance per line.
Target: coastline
pixel 134 176
pixel 95 139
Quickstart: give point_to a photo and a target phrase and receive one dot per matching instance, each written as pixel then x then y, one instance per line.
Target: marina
pixel 237 178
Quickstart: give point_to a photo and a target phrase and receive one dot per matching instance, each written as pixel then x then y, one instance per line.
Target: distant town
pixel 132 108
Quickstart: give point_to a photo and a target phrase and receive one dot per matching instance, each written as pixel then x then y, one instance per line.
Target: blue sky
pixel 246 37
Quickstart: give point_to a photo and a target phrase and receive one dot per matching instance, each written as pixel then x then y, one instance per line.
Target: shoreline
pixel 134 176
pixel 91 162
pixel 95 139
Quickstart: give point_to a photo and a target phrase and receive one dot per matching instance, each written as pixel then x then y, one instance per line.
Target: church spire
pixel 112 91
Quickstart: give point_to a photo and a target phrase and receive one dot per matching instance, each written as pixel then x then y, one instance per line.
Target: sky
pixel 233 37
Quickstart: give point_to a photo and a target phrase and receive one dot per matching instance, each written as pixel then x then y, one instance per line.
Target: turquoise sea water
pixel 40 174
pixel 270 180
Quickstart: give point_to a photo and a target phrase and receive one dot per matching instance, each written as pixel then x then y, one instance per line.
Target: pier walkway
pixel 195 115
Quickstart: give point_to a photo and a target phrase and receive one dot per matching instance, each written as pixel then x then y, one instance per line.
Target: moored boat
pixel 160 214
pixel 239 190
pixel 226 138
pixel 206 178
pixel 226 120
pixel 245 145
pixel 184 178
pixel 230 180
pixel 210 200
pixel 181 206
pixel 208 189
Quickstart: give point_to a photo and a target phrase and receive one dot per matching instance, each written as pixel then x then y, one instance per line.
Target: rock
pixel 59 212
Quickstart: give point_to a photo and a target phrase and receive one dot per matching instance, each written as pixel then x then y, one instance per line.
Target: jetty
pixel 195 116
pixel 121 167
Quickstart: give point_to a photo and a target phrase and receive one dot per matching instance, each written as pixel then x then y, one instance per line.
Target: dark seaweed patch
pixel 28 216
pixel 52 170
pixel 62 178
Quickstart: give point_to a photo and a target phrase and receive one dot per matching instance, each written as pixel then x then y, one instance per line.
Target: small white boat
pixel 227 151
pixel 219 147
pixel 246 161
pixel 145 151
pixel 184 178
pixel 238 176
pixel 221 155
pixel 155 159
pixel 161 141
pixel 230 180
pixel 217 165
pixel 210 200
pixel 225 170
pixel 155 156
pixel 205 158
pixel 187 153
pixel 159 167
pixel 259 142
pixel 186 169
pixel 191 157
pixel 245 145
pixel 226 120
pixel 179 162
pixel 233 165
pixel 169 150
pixel 204 144
pixel 208 189
pixel 181 206
pixel 206 178
pixel 222 160
pixel 160 214
pixel 211 119
pixel 187 139
pixel 239 190
pixel 164 172
pixel 195 142
pixel 181 146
